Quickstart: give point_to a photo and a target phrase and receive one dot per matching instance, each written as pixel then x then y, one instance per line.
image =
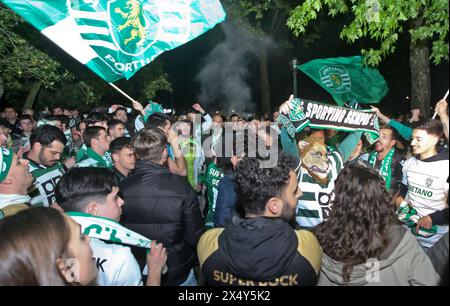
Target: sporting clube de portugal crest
pixel 123 31
pixel 131 26
pixel 336 78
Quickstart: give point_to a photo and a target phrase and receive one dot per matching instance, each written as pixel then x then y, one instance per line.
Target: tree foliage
pixel 382 21
pixel 161 83
pixel 251 13
pixel 20 62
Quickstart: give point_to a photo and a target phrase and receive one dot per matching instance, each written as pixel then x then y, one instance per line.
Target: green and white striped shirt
pixel 45 182
pixel 314 206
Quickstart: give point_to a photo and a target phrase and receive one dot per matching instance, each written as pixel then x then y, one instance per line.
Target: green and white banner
pixel 115 38
pixel 323 116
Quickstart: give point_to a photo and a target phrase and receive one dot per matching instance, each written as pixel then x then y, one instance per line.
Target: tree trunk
pixel 31 98
pixel 1 86
pixel 419 62
pixel 264 81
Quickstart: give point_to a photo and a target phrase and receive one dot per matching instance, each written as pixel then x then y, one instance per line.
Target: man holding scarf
pixel 424 189
pixel 14 183
pixel 98 209
pixel 386 159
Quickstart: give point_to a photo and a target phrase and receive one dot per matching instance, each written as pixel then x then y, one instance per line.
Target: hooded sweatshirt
pixel 402 263
pixel 259 251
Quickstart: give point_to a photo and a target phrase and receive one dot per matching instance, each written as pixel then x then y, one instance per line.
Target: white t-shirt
pixel 427 189
pixel 116 264
pixel 427 183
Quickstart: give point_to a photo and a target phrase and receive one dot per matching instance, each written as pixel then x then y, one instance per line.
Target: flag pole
pixel 445 97
pixel 122 92
pixel 293 66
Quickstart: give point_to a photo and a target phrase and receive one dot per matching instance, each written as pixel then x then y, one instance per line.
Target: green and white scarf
pixel 385 169
pixel 408 215
pixel 152 108
pixel 324 116
pixel 83 154
pixel 109 230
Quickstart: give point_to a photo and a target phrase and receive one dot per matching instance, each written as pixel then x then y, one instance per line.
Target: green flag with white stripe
pixel 115 38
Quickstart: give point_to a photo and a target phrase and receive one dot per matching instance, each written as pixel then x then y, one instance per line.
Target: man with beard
pixel 285 257
pixel 47 144
pixel 424 189
pixel 387 159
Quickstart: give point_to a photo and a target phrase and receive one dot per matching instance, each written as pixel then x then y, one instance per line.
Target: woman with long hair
pixel 43 247
pixel 363 242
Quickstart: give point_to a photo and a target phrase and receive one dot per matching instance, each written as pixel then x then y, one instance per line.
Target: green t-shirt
pixel 211 180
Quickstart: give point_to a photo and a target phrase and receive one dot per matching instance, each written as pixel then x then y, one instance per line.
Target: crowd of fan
pixel 332 209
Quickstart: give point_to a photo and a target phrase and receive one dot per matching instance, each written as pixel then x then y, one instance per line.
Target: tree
pixel 382 21
pixel 1 86
pixel 22 66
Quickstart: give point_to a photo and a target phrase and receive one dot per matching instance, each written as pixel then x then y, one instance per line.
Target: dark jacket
pixel 226 201
pixel 119 175
pixel 259 251
pixel 163 206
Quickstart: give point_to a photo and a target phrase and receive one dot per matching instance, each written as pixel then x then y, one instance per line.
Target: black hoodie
pixel 259 251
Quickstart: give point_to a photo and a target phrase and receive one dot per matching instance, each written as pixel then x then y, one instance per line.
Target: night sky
pixel 183 63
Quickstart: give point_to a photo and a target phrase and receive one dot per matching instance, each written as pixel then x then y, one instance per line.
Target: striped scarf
pixel 110 230
pixel 408 215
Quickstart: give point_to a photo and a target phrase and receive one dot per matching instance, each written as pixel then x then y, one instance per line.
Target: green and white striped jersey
pixel 314 206
pixel 45 182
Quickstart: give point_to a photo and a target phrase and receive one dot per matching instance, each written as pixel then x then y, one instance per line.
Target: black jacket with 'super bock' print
pixel 259 252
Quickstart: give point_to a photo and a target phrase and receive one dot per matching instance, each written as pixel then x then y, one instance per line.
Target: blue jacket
pixel 226 201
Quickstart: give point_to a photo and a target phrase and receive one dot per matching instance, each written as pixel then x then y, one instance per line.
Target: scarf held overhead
pixel 322 116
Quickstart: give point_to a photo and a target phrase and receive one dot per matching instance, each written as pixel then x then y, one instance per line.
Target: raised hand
pixel 286 107
pixel 138 106
pixel 114 107
pixel 441 107
pixel 198 108
pixel 376 110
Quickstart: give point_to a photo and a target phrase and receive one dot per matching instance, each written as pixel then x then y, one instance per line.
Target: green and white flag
pixel 115 38
pixel 347 80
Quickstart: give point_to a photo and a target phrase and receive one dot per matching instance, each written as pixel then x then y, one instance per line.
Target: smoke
pixel 223 79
